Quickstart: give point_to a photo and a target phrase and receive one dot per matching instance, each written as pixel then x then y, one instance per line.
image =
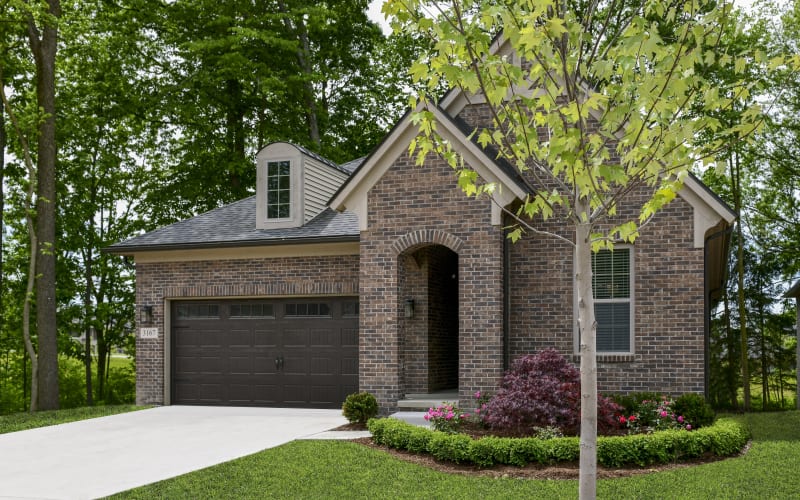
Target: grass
pixel 23 421
pixel 331 469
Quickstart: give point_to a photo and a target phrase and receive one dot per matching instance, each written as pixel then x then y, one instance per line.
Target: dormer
pixel 293 185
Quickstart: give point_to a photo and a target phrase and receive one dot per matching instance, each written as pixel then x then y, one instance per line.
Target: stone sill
pixel 609 358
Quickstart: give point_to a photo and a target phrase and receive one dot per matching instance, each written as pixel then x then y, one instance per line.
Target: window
pixel 198 311
pixel 279 190
pixel 611 283
pixel 307 310
pixel 250 311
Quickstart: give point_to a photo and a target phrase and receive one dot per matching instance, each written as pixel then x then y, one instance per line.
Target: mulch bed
pixel 567 470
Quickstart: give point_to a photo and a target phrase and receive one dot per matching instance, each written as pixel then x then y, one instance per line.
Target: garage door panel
pixel 349 337
pixel 294 337
pixel 265 338
pixel 210 392
pixel 240 365
pixel 349 366
pixel 321 366
pixel 326 337
pixel 240 338
pixel 295 365
pixel 230 359
pixel 211 338
pixel 211 365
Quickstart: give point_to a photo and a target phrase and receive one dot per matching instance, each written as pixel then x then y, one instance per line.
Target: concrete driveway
pixel 98 457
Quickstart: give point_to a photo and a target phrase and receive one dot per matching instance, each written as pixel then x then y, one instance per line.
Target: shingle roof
pixel 234 225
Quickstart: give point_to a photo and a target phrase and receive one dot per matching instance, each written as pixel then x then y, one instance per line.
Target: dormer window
pixel 279 192
pixel 293 185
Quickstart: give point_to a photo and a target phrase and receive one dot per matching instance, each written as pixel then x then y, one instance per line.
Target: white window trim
pixel 631 300
pixel 296 206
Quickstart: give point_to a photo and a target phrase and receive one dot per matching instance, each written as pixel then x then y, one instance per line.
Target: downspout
pixel 707 307
pixel 506 301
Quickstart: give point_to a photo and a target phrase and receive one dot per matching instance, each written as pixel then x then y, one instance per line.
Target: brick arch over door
pixel 427 237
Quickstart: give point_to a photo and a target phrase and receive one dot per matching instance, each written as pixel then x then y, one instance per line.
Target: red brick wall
pixel 668 306
pixel 278 277
pixel 668 303
pixel 409 208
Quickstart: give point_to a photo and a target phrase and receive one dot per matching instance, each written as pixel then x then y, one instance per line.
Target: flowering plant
pixel 446 418
pixel 653 415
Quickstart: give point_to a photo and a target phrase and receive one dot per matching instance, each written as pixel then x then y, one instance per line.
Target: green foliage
pixel 630 402
pixel 360 407
pixel 694 408
pixel 724 438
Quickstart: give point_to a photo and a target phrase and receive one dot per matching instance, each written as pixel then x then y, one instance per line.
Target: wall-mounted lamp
pixel 146 316
pixel 409 308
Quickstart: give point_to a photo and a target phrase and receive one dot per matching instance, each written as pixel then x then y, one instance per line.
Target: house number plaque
pixel 148 333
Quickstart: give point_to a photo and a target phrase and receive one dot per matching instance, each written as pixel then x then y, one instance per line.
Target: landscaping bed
pixel 724 438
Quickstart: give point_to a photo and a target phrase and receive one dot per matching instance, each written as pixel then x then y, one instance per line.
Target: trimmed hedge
pixel 726 437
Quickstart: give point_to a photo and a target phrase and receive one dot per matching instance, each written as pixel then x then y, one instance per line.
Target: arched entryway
pixel 428 291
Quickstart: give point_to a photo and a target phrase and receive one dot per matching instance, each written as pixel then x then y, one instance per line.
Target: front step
pixel 422 402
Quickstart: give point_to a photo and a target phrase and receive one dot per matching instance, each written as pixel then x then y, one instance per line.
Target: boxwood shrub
pixel 726 437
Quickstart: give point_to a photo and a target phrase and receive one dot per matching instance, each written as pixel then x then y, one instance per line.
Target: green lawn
pixel 329 469
pixel 23 421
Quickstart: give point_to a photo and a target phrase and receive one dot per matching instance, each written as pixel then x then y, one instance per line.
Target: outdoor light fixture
pixel 146 316
pixel 409 309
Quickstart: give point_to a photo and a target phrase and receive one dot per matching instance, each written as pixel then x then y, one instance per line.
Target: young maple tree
pixel 591 100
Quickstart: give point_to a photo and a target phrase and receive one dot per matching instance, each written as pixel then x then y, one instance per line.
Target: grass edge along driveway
pixel 331 469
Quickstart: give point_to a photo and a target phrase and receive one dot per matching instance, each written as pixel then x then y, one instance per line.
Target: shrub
pixel 694 408
pixel 360 407
pixel 543 390
pixel 630 402
pixel 726 437
pixel 655 415
pixel 445 418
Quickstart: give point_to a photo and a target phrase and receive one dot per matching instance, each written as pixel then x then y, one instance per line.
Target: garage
pixel 264 352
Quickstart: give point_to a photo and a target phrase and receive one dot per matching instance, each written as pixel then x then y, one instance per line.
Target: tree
pixel 593 103
pixel 43 40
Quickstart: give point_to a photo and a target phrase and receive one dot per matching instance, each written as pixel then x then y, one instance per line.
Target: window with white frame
pixel 613 293
pixel 279 193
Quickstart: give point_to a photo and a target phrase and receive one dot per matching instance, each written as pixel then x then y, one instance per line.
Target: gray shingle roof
pixel 234 225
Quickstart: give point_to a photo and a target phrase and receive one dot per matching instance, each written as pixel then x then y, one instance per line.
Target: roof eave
pixel 132 249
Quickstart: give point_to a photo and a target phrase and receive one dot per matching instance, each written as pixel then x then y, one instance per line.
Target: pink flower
pixel 688 427
pixel 632 418
pixel 663 414
pixel 680 419
pixel 477 394
pixel 427 417
pixel 622 419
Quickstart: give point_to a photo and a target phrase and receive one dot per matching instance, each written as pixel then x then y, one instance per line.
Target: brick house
pixel 381 276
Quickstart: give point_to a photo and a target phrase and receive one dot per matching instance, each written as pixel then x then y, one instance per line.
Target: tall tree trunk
pixel 298 29
pixel 730 373
pixel 43 45
pixel 764 353
pixel 3 143
pixel 736 185
pixel 89 276
pixel 28 207
pixel 588 350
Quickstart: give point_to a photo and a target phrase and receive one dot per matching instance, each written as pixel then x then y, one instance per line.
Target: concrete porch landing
pixel 422 402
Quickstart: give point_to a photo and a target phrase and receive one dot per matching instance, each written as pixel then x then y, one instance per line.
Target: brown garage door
pixel 287 352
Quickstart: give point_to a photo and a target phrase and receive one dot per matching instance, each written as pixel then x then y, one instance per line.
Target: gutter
pixel 131 249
